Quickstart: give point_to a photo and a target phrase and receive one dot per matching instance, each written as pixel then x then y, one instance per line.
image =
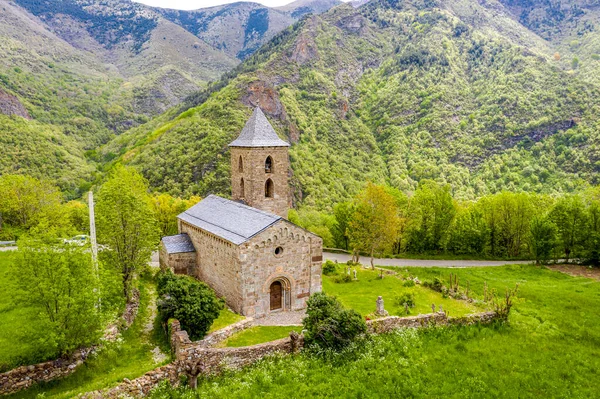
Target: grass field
pixel 361 295
pixel 226 318
pixel 258 335
pixel 129 357
pixel 14 345
pixel 550 348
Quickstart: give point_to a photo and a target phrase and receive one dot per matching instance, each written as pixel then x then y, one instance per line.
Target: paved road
pixel 343 258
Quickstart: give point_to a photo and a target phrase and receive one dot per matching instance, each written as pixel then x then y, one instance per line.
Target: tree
pixel 469 232
pixel 166 208
pixel 343 214
pixel 375 221
pixel 58 280
pixel 329 325
pixel 126 223
pixel 543 238
pixel 434 212
pixel 569 216
pixel 25 201
pixel 190 301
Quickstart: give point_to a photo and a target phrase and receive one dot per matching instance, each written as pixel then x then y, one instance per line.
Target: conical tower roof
pixel 258 132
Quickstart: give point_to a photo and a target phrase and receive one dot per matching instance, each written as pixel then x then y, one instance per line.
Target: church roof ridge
pixel 258 132
pixel 230 220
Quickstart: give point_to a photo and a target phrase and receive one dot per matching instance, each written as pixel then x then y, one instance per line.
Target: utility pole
pixel 94 243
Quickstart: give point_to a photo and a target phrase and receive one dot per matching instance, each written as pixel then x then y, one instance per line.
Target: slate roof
pixel 258 132
pixel 178 244
pixel 232 221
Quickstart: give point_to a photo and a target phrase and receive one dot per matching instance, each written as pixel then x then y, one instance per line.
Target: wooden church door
pixel 276 295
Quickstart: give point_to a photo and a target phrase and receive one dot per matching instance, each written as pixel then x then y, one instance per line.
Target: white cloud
pixel 195 4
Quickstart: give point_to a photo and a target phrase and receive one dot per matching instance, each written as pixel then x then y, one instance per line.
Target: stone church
pixel 244 248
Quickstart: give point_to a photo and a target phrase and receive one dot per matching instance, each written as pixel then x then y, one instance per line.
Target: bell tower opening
pixel 269 190
pixel 269 165
pixel 241 165
pixel 242 190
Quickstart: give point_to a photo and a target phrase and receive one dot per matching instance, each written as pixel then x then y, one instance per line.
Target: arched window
pixel 242 194
pixel 269 165
pixel 269 189
pixel 241 164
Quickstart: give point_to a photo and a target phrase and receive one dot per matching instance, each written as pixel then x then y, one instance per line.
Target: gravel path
pixel 293 318
pixel 8 249
pixel 365 261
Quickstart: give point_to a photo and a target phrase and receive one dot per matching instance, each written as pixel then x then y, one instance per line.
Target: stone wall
pixel 25 376
pixel 217 264
pixel 391 323
pixel 297 267
pixel 255 177
pixel 180 339
pixel 194 358
pixel 179 263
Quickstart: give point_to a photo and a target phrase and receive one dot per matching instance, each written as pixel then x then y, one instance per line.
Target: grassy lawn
pixel 361 295
pixel 226 318
pixel 550 348
pixel 127 358
pixel 14 344
pixel 258 335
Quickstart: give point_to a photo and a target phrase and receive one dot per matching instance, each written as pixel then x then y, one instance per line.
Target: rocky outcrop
pixel 263 95
pixel 10 105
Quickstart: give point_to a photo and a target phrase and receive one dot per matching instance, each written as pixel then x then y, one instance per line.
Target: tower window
pixel 269 189
pixel 241 165
pixel 269 165
pixel 242 195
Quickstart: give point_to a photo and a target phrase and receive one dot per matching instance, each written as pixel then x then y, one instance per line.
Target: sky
pixel 195 4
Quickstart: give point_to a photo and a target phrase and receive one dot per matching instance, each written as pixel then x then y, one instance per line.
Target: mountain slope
pixel 397 91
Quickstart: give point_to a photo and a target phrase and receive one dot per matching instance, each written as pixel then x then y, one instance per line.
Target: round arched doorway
pixel 279 295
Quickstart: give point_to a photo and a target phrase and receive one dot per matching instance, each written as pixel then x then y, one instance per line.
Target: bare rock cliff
pixel 10 105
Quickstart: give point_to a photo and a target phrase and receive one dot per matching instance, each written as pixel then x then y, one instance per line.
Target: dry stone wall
pixel 194 358
pixel 25 376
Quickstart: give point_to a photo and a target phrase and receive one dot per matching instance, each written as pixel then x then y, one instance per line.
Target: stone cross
pixel 380 309
pixel 433 307
pixel 348 270
pixel 441 310
pixel 355 274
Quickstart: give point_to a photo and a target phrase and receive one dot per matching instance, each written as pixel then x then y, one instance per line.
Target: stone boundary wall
pixel 391 323
pixel 179 338
pixel 25 376
pixel 195 358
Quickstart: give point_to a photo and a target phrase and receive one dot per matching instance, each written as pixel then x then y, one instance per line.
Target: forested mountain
pixel 455 91
pixel 74 73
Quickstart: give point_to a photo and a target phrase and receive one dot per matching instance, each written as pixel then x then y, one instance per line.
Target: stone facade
pixel 297 266
pixel 250 174
pixel 243 275
pixel 179 263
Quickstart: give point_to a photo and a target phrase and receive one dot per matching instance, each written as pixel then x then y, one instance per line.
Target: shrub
pixel 329 325
pixel 406 298
pixel 343 278
pixel 435 285
pixel 190 301
pixel 329 267
pixel 408 283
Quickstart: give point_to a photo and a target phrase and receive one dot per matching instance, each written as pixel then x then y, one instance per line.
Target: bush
pixel 406 298
pixel 408 283
pixel 342 279
pixel 188 300
pixel 329 268
pixel 329 325
pixel 435 285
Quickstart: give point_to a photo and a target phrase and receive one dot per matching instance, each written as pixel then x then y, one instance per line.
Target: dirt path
pixel 343 258
pixel 157 354
pixel 578 271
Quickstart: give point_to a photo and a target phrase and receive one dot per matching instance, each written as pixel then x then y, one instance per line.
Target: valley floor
pixel 550 348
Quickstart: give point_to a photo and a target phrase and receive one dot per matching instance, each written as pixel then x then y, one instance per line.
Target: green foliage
pixel 166 209
pixel 343 278
pixel 60 282
pixel 190 301
pixel 405 299
pixel 126 223
pixel 570 219
pixel 330 326
pixel 543 238
pixel 329 268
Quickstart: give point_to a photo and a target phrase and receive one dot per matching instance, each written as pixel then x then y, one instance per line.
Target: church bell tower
pixel 260 167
